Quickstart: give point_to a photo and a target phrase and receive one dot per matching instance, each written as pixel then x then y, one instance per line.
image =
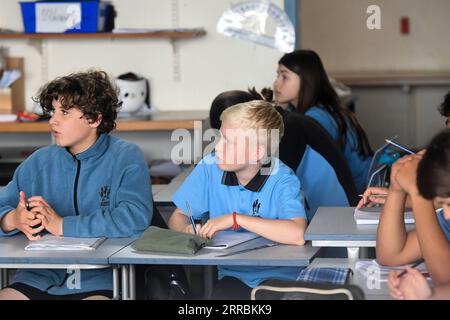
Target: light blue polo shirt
pixel 445 224
pixel 209 190
pixel 359 167
pixel 325 191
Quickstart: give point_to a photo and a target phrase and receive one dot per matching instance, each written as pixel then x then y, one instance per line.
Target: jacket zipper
pixel 75 191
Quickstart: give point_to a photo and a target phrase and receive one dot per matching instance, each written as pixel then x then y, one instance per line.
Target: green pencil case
pixel 168 241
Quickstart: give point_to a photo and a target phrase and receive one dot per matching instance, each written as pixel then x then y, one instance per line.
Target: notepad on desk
pixel 51 242
pixel 228 239
pixel 372 215
pixel 371 268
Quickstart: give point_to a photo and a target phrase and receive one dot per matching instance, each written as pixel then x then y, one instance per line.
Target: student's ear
pixel 260 153
pixel 96 123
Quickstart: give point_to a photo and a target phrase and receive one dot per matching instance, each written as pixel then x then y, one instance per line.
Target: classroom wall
pixel 208 65
pixel 337 31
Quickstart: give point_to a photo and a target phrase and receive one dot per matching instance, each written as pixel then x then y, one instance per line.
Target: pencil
pixel 191 217
pixel 398 146
pixel 413 266
pixel 374 195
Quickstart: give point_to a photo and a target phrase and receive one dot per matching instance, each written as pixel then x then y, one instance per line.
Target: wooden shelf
pixel 185 33
pixel 389 78
pixel 164 121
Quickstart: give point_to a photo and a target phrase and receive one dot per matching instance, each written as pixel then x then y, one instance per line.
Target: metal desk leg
pixel 125 282
pixel 209 281
pixel 132 280
pixel 5 277
pixel 116 283
pixel 353 253
pixel 364 253
pixel 2 281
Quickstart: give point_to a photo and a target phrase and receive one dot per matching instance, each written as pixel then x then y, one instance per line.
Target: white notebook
pixel 228 239
pixel 372 268
pixel 372 215
pixel 51 242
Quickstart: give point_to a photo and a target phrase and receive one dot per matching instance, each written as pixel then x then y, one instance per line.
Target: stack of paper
pixel 371 268
pixel 51 242
pixel 228 239
pixel 372 215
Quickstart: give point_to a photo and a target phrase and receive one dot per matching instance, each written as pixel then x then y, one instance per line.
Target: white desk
pixel 336 227
pixel 282 255
pixel 378 291
pixel 13 256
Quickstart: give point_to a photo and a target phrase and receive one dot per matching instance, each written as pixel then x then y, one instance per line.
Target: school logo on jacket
pixel 255 207
pixel 104 193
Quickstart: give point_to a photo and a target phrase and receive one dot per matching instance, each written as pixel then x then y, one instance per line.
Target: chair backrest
pixel 299 290
pixel 157 219
pixel 302 132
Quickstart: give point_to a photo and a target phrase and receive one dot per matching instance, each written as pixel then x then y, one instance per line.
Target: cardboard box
pixel 12 99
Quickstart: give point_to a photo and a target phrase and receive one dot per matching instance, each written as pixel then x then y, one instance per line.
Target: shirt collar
pixel 97 149
pixel 230 179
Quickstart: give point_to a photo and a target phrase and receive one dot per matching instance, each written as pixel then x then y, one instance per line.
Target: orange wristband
pixel 235 224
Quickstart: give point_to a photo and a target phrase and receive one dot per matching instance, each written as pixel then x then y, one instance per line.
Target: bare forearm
pixel 391 233
pixel 178 221
pixel 283 231
pixel 433 243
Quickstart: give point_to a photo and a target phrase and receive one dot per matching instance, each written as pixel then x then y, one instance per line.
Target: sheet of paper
pixel 372 215
pixel 57 17
pixel 51 242
pixel 372 268
pixel 228 239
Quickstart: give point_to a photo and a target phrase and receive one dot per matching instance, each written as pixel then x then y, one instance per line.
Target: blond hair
pixel 258 115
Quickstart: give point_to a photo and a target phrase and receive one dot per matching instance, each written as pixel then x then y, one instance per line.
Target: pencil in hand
pixel 401 274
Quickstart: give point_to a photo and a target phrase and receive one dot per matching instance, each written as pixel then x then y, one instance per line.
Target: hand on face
pixel 404 173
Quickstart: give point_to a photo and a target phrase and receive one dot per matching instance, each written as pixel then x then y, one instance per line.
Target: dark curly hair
pixel 91 92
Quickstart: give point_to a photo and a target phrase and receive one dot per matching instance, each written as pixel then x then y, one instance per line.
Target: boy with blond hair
pixel 243 186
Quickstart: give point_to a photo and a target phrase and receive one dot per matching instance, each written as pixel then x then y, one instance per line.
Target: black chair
pixel 302 131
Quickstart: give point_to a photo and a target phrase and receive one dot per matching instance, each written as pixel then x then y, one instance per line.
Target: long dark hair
pixel 316 89
pixel 230 98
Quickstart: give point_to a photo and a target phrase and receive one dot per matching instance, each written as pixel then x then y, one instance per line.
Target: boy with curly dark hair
pixel 87 184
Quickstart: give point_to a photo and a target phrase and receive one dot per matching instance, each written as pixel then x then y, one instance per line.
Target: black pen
pixel 413 266
pixel 249 249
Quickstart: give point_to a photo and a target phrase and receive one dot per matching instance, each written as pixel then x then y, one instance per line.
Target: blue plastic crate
pixel 92 16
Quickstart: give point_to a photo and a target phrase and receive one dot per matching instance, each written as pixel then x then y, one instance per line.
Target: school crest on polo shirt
pixel 255 207
pixel 104 193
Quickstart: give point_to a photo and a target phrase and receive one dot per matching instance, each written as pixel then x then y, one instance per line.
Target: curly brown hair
pixel 91 92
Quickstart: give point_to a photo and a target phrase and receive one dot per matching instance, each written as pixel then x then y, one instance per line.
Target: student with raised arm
pixel 425 178
pixel 242 186
pixel 87 184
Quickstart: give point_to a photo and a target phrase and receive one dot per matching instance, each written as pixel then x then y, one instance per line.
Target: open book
pixel 228 239
pixel 51 242
pixel 372 215
pixel 372 268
